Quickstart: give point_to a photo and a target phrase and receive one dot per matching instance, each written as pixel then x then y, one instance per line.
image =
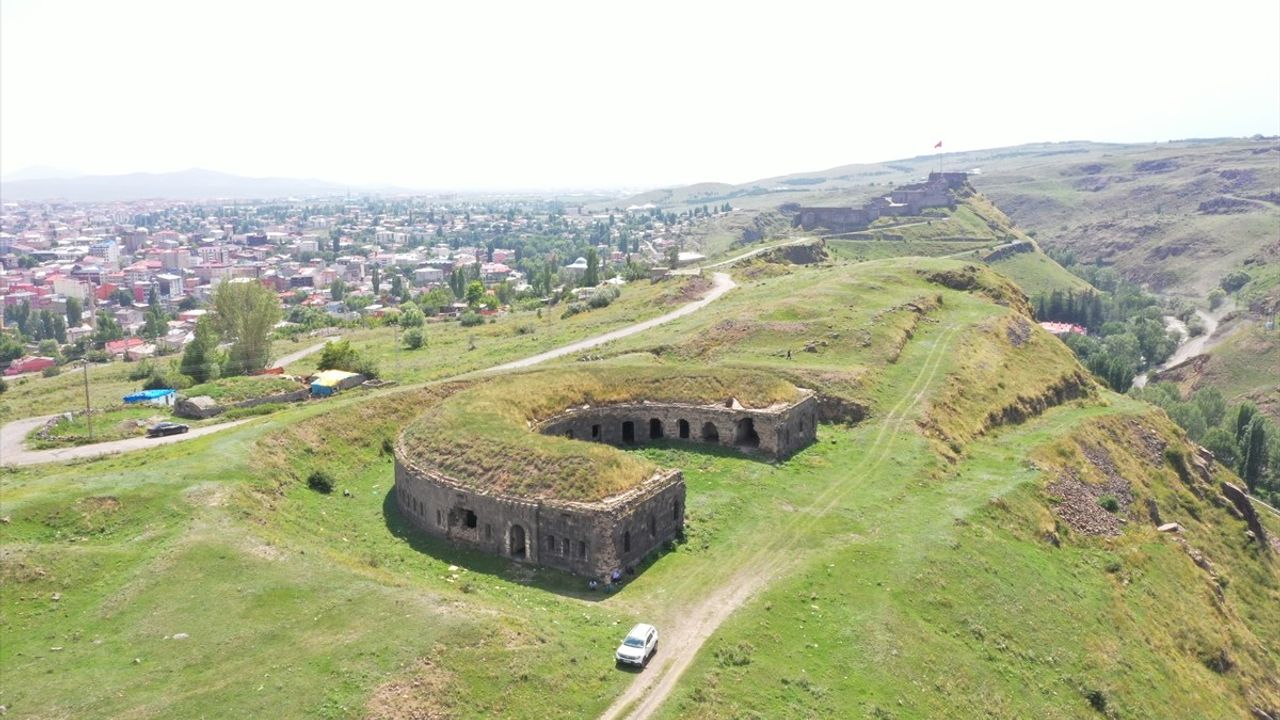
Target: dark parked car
pixel 166 428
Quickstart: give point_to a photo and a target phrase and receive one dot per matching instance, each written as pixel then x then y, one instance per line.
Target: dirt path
pixel 721 284
pixel 13 446
pixel 13 443
pixel 294 357
pixel 694 626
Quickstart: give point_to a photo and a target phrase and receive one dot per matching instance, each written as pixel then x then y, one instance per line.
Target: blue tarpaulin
pixel 152 396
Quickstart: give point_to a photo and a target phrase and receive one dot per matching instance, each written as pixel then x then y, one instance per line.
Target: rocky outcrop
pixel 1240 500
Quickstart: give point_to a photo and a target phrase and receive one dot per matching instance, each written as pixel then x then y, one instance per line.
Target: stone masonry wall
pixel 587 539
pixel 773 432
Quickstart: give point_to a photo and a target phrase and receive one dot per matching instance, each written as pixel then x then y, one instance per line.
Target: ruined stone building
pixel 936 191
pixel 594 538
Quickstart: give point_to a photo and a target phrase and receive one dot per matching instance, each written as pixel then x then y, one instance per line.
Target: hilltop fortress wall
pixel 594 538
pixel 937 191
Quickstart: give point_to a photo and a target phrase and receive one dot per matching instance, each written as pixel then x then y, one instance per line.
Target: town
pixel 130 280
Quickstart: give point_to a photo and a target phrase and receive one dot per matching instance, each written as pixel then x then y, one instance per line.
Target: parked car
pixel 639 645
pixel 166 428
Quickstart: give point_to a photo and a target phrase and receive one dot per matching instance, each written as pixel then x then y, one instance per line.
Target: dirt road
pixel 13 443
pixel 13 449
pixel 294 357
pixel 721 284
pixel 690 630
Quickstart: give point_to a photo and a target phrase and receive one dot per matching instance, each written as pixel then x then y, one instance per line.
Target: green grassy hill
pixel 942 549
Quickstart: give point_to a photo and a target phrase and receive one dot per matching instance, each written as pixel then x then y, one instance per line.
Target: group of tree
pixel 1125 324
pixel 38 325
pixel 242 314
pixel 1240 437
pixel 340 355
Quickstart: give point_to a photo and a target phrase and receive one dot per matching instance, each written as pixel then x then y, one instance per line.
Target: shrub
pixel 571 310
pixel 51 371
pixel 526 329
pixel 471 319
pixel 1216 296
pixel 141 371
pixel 3 386
pixel 1235 280
pixel 1109 503
pixel 320 481
pixel 413 338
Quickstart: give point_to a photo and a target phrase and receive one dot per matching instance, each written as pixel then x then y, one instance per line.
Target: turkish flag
pixel 935 147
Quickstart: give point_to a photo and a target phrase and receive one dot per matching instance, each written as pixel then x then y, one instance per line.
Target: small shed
pixel 161 396
pixel 329 382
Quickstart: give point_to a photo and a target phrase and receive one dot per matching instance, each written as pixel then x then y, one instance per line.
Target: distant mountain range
pixel 194 184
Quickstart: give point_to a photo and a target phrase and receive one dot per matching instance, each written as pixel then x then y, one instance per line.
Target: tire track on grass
pixel 646 695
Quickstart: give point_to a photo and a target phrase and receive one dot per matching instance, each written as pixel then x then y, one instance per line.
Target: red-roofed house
pixel 120 347
pixel 31 363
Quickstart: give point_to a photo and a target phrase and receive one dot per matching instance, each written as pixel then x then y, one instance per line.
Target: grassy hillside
pixel 900 566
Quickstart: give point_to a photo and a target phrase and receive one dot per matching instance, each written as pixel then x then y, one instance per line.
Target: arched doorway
pixel 655 429
pixel 683 427
pixel 516 542
pixel 745 433
pixel 709 432
pixel 628 432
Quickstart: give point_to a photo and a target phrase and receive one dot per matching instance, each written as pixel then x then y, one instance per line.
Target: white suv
pixel 639 646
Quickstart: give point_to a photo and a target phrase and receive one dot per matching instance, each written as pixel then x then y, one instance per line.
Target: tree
pixel 1222 443
pixel 338 355
pixel 337 289
pixel 75 312
pixel 1253 452
pixel 201 359
pixel 591 277
pixel 411 316
pixel 413 338
pixel 245 313
pixel 475 292
pixel 376 280
pixel 107 329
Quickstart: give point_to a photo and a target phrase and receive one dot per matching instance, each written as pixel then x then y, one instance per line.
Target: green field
pixel 907 565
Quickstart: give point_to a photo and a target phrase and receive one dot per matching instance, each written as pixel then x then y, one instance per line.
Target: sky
pixel 555 95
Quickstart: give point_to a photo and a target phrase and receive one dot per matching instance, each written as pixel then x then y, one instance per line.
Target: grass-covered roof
pixel 483 438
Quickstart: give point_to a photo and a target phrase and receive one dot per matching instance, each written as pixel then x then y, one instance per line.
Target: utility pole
pixel 88 411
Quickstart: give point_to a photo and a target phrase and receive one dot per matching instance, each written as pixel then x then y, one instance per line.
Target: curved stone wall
pixel 776 432
pixel 594 538
pixel 588 539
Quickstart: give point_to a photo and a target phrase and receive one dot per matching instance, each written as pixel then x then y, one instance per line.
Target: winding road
pixel 13 446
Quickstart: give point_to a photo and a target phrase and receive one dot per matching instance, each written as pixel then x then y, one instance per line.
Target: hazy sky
pixel 561 94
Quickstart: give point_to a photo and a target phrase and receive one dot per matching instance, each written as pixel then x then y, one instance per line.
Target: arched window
pixel 551 543
pixel 683 427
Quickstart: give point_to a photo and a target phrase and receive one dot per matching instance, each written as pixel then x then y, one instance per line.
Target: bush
pixel 471 319
pixel 526 329
pixel 413 338
pixel 367 367
pixel 3 386
pixel 320 481
pixel 571 310
pixel 141 371
pixel 1109 503
pixel 51 371
pixel 1235 280
pixel 1216 296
